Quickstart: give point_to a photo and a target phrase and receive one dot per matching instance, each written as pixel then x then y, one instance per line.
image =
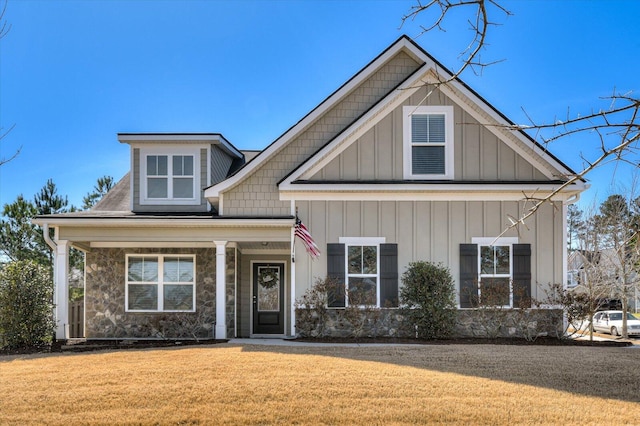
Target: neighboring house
pixel 598 271
pixel 198 240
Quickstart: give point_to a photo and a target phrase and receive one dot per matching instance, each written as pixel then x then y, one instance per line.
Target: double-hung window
pixel 362 275
pixel 495 275
pixel 364 271
pixel 160 283
pixel 169 177
pixel 428 142
pixel 495 272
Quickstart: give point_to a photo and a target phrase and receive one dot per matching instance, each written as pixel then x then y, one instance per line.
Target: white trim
pixel 407 143
pixel 489 241
pixel 221 289
pixel 530 152
pixel 160 283
pixel 492 241
pixel 357 129
pixel 139 139
pixel 171 151
pixel 434 192
pixel 61 280
pixel 403 43
pixel 165 222
pixel 363 241
pixel 265 252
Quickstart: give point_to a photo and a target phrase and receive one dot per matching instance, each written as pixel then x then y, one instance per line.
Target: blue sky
pixel 74 73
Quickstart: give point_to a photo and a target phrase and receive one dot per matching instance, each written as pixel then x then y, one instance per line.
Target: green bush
pixel 26 305
pixel 428 300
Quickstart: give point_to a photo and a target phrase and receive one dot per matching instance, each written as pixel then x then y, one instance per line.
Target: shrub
pixel 311 309
pixel 26 305
pixel 428 299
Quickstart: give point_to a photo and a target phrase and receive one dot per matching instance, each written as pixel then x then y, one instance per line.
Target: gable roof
pixel 430 71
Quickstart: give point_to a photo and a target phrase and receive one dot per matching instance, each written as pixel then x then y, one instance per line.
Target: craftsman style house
pixel 199 238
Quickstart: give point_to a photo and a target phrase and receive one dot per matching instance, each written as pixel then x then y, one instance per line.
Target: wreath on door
pixel 268 277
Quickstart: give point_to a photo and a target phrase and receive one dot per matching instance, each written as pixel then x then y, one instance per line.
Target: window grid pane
pixel 428 160
pixel 182 187
pixel 176 285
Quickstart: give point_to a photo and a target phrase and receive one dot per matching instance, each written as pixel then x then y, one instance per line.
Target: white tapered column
pixel 61 289
pixel 221 289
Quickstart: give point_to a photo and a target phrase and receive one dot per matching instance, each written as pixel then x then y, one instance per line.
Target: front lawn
pixel 420 384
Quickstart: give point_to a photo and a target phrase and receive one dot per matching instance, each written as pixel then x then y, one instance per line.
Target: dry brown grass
pixel 226 384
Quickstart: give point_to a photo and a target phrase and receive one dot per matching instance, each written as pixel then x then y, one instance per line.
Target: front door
pixel 268 298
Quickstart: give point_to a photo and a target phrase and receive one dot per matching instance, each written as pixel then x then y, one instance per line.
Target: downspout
pixel 47 238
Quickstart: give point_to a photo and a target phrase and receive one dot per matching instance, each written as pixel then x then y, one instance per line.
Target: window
pixel 169 178
pixel 365 270
pixel 362 275
pixel 428 142
pixel 495 272
pixel 495 275
pixel 163 283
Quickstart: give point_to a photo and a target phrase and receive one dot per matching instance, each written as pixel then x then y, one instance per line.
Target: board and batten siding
pixel 431 231
pixel 168 208
pixel 258 194
pixel 479 154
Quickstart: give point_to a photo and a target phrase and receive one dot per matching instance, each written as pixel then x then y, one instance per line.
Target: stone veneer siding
pixel 500 323
pixel 105 315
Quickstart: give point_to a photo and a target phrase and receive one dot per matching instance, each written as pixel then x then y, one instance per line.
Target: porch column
pixel 221 289
pixel 61 289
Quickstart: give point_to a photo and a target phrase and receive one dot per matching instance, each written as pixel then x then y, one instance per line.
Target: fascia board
pixel 165 222
pixel 408 195
pixel 501 129
pixel 143 139
pixel 330 151
pixel 213 192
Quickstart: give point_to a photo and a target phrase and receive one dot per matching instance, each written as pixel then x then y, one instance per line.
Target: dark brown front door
pixel 268 298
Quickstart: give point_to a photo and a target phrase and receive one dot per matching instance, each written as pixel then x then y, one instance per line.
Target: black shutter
pixel 335 271
pixel 468 275
pixel 389 275
pixel 522 275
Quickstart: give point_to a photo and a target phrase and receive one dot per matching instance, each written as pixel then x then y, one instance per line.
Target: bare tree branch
pixel 616 129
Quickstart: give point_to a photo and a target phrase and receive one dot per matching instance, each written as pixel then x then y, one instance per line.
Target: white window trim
pixel 170 152
pixel 160 282
pixel 361 241
pixel 501 241
pixel 407 112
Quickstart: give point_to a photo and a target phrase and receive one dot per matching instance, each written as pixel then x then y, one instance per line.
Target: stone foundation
pixel 484 323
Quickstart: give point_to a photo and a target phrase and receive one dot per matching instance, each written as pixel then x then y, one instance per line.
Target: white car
pixel 611 322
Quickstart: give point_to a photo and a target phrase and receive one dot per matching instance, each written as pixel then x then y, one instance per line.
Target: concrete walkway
pixel 293 343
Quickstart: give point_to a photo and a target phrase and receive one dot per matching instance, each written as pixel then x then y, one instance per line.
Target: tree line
pixel 604 249
pixel 26 265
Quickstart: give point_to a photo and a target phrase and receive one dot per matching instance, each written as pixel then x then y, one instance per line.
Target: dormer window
pixel 169 178
pixel 428 142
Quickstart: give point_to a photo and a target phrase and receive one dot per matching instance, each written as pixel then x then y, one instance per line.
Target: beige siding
pixel 176 234
pixel 431 231
pixel 242 199
pixel 479 154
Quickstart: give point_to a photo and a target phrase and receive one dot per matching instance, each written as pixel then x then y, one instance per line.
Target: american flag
pixel 303 233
